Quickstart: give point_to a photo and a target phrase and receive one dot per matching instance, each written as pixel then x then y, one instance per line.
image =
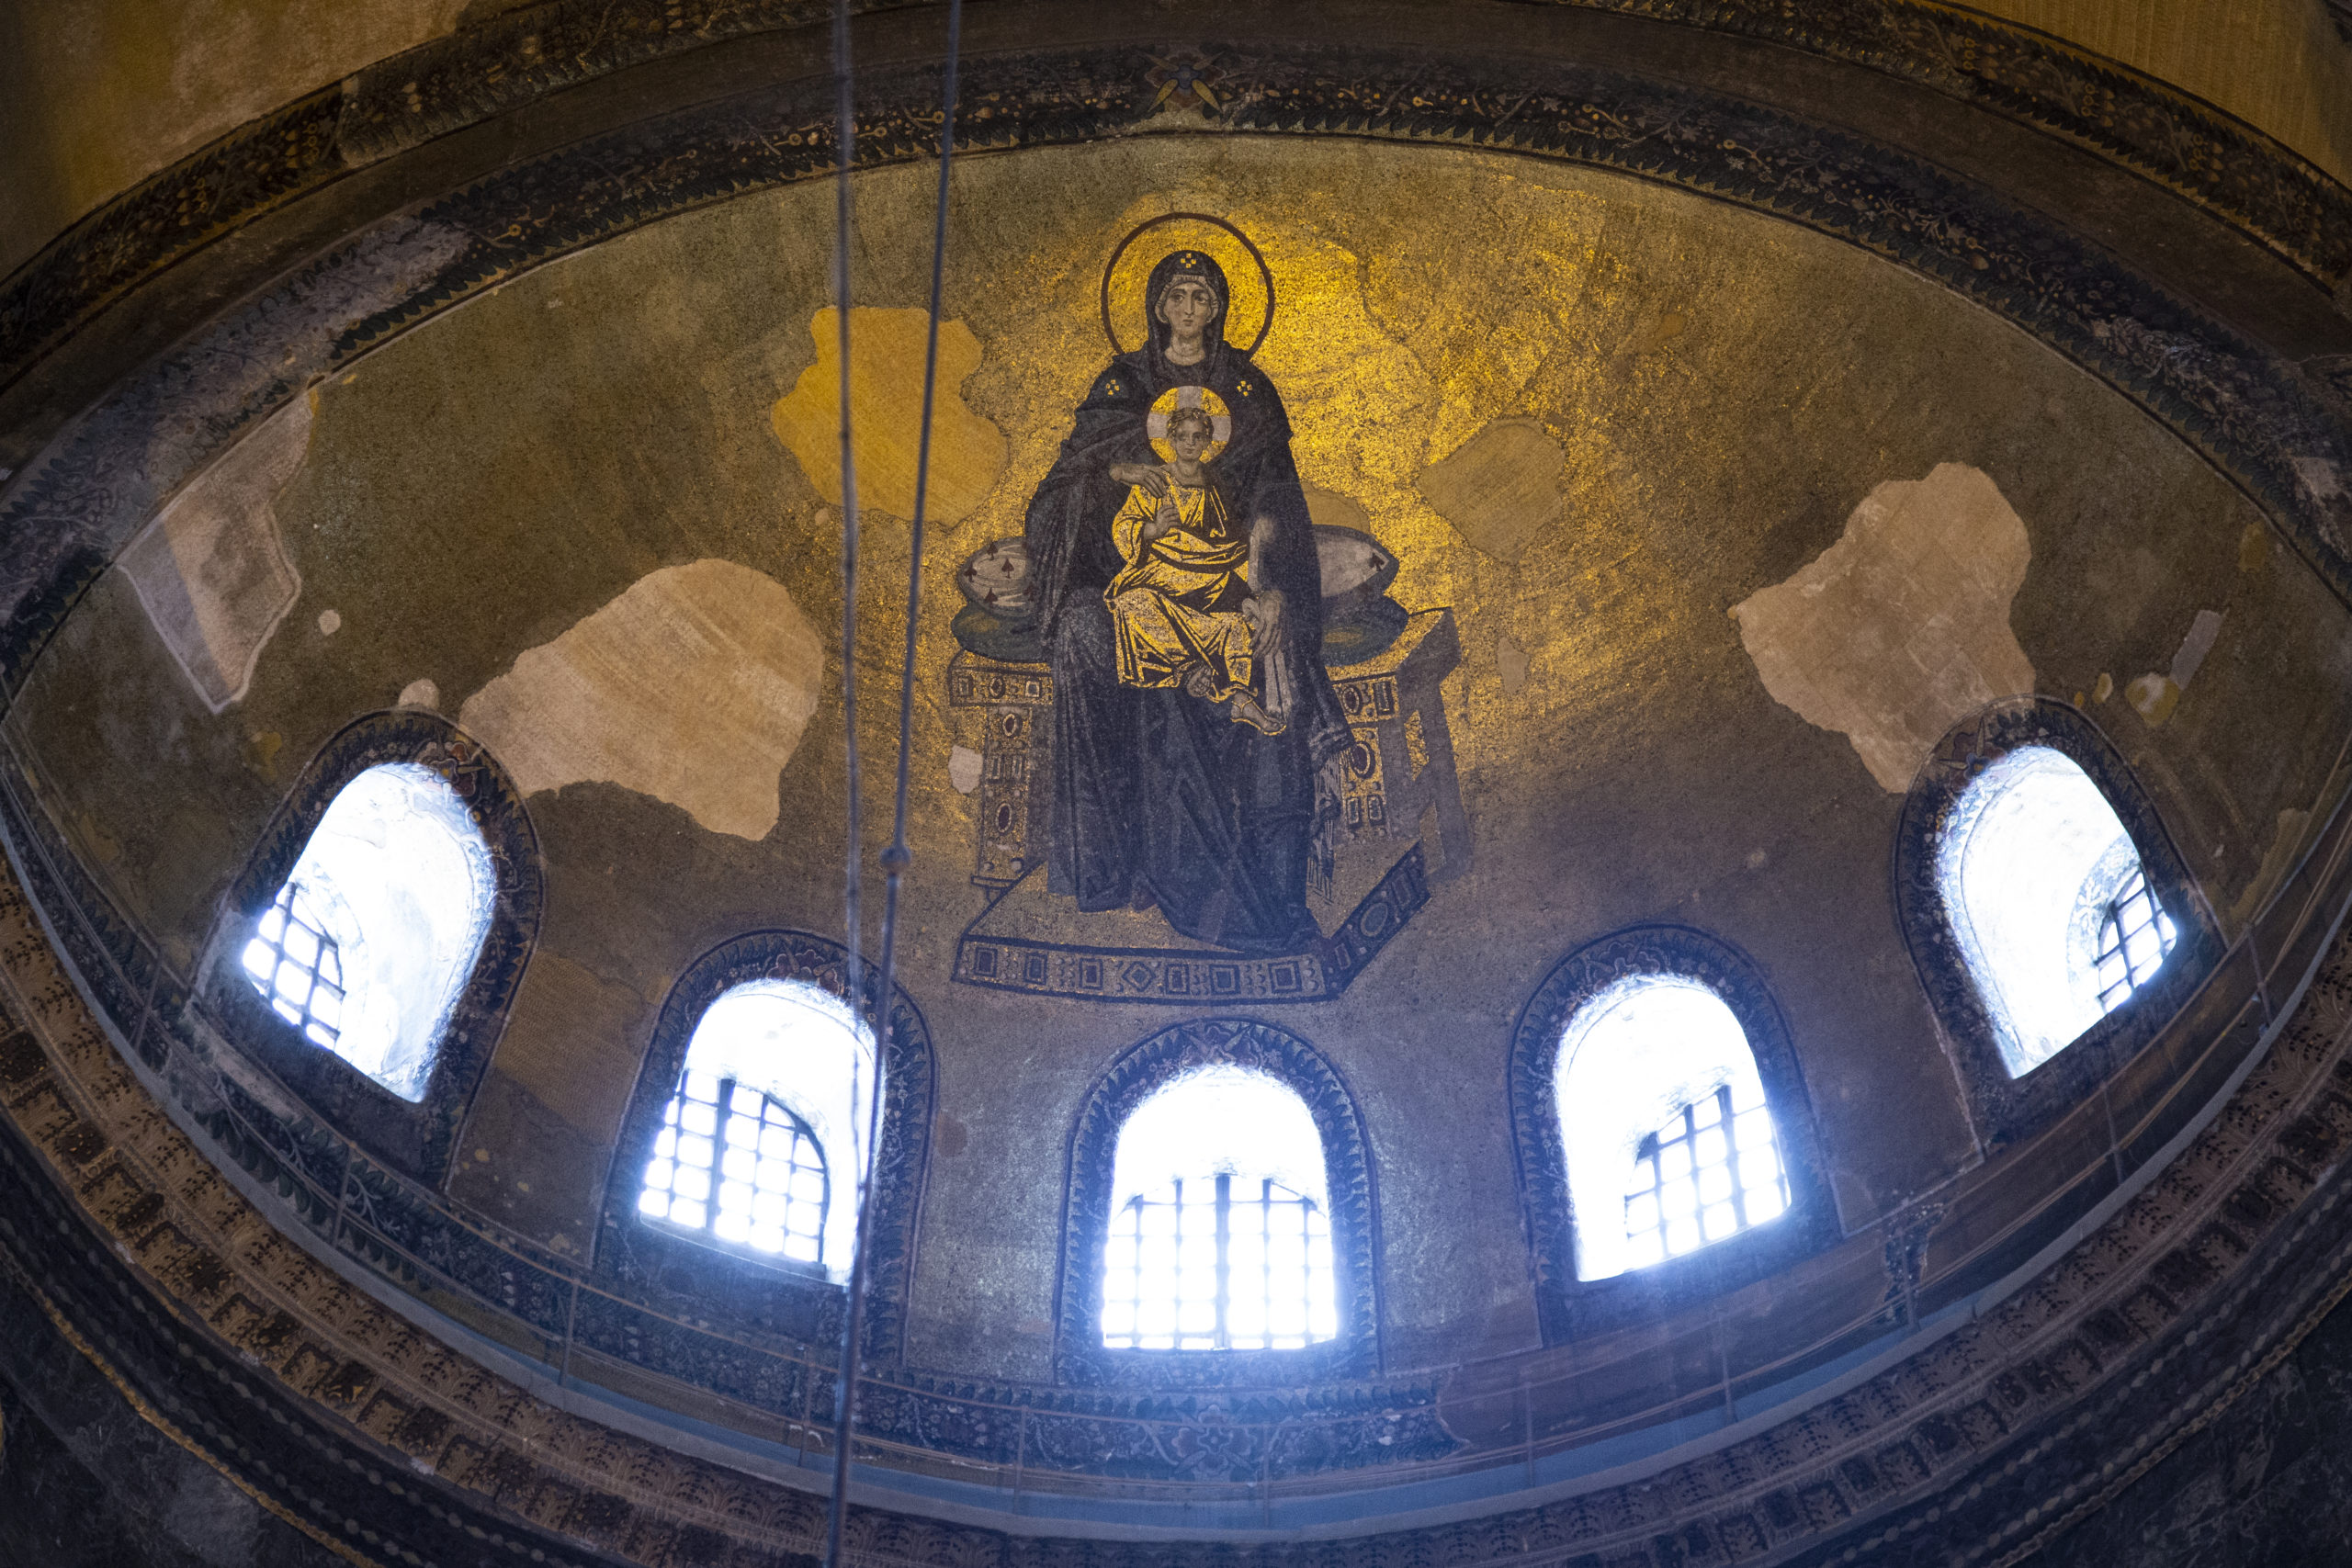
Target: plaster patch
pixel 1511 664
pixel 2277 862
pixel 210 569
pixel 420 694
pixel 692 687
pixel 886 350
pixel 330 623
pixel 1501 487
pixel 2156 695
pixel 2321 477
pixel 2190 655
pixel 964 769
pixel 1329 509
pixel 1902 628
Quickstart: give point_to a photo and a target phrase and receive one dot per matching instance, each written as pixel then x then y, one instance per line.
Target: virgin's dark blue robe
pixel 1155 790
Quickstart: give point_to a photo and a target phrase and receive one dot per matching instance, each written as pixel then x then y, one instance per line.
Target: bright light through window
pixel 2049 902
pixel 372 937
pixel 2135 936
pixel 1669 1141
pixel 1220 1232
pixel 759 1142
pixel 1711 1172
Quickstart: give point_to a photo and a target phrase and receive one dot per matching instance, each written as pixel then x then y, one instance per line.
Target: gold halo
pixel 1129 269
pixel 1220 420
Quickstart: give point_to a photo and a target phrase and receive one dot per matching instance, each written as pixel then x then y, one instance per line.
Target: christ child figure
pixel 1181 612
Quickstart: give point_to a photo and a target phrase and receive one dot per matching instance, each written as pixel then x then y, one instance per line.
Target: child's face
pixel 1188 441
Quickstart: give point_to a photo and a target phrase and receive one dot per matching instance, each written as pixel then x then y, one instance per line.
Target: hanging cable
pixel 898 857
pixel 846 156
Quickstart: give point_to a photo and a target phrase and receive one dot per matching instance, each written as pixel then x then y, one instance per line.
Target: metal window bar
pixel 736 1164
pixel 1197 1266
pixel 2135 937
pixel 1711 1172
pixel 298 967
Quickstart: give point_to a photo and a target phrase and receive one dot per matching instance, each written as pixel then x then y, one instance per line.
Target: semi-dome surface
pixel 1731 534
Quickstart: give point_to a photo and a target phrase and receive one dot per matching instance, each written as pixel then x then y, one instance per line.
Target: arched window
pixel 1658 1113
pixel 2055 926
pixel 2049 904
pixel 1220 1228
pixel 1670 1143
pixel 373 933
pixel 1220 1233
pixel 760 1143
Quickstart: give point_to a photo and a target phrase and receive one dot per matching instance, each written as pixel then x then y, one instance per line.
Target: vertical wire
pixel 846 155
pixel 845 146
pixel 898 857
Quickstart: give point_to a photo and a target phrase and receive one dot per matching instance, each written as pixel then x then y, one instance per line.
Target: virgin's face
pixel 1187 307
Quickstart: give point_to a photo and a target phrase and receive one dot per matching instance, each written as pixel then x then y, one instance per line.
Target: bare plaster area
pixel 1901 629
pixel 692 687
pixel 210 569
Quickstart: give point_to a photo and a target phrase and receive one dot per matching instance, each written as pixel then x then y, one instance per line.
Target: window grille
pixel 298 967
pixel 1713 1171
pixel 373 935
pixel 2136 936
pixel 1218 1263
pixel 735 1163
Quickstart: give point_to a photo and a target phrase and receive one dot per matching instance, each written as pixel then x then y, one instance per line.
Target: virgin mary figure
pixel 1158 796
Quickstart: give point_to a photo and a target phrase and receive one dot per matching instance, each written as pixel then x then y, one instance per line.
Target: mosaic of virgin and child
pixel 1173 569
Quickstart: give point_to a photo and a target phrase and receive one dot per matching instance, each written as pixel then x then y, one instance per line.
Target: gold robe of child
pixel 1177 603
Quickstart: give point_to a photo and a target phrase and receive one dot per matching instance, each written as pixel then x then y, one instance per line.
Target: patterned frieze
pixel 2266 424
pixel 1972 1446
pixel 504 62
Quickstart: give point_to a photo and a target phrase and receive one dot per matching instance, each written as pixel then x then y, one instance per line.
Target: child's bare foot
pixel 1247 711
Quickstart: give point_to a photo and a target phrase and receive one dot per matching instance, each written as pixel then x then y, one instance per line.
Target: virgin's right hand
pixel 1151 476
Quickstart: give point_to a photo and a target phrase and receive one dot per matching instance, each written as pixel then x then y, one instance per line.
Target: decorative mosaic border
pixel 2007 1109
pixel 671 1275
pixel 1569 1306
pixel 2257 418
pixel 1138 1073
pixel 414 1138
pixel 1213 979
pixel 2221 163
pixel 1974 1449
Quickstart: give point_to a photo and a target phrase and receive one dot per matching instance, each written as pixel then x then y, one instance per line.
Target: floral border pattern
pixel 2223 165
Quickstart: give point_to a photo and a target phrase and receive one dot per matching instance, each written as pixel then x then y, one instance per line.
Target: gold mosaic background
pixel 1590 416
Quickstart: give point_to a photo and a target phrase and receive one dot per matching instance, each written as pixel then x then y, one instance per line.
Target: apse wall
pixel 1738 489
pixel 597 444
